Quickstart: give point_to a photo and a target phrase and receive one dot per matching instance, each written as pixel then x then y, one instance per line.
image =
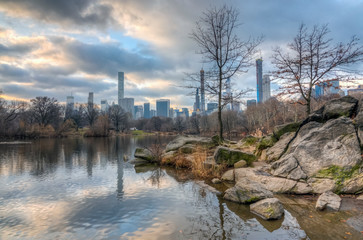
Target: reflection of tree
pixel 120 170
pixel 156 176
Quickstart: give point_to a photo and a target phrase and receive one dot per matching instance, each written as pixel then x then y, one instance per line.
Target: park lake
pixel 86 188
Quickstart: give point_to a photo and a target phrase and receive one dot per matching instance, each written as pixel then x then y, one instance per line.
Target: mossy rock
pixel 266 142
pixel 230 156
pixel 187 149
pixel 250 141
pixel 339 174
pixel 282 129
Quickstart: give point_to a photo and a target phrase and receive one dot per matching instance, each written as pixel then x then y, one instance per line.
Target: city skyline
pixel 81 49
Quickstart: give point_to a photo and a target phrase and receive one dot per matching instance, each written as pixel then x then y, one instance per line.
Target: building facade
pixel 266 88
pixel 127 104
pixel 259 80
pixel 104 105
pixel 70 103
pixel 162 107
pixel 147 110
pixel 202 92
pixel 120 87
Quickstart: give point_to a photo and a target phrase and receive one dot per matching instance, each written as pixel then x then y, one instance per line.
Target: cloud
pixel 70 13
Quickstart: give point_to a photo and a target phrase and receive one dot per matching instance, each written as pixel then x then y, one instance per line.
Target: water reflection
pixel 82 188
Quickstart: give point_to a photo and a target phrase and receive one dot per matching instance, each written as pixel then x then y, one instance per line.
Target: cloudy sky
pixel 55 48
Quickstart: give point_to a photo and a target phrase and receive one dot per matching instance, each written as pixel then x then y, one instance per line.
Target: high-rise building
pixel 162 107
pixel 152 113
pixel 236 106
pixel 326 88
pixel 138 111
pixel 90 99
pixel 127 105
pixel 70 103
pixel 259 80
pixel 266 88
pixel 358 92
pixel 171 113
pixel 251 102
pixel 211 107
pixel 185 111
pixel 120 87
pixel 146 110
pixel 104 105
pixel 202 92
pixel 197 101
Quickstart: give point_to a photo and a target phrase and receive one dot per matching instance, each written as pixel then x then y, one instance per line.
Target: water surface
pixel 83 189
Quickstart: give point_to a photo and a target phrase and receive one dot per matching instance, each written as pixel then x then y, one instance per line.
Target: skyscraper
pixel 327 88
pixel 139 111
pixel 197 101
pixel 266 89
pixel 127 105
pixel 90 99
pixel 120 87
pixel 162 107
pixel 104 105
pixel 185 112
pixel 202 104
pixel 70 103
pixel 259 80
pixel 146 110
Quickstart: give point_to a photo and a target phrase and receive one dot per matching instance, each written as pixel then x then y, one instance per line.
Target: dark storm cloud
pixel 107 58
pixel 12 73
pixel 63 12
pixel 16 49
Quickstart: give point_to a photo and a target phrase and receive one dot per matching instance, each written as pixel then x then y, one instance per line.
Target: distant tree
pixel 78 117
pixel 117 115
pixel 179 124
pixel 45 110
pixel 156 123
pixel 90 113
pixel 312 59
pixel 194 122
pixel 215 34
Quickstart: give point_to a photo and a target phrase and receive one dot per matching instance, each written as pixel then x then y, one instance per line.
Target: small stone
pixel 268 209
pixel 216 181
pixel 240 164
pixel 328 200
pixel 228 176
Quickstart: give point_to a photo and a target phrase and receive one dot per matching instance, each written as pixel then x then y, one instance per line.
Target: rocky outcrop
pixel 353 185
pixel 240 164
pixel 231 156
pixel 144 154
pixel 319 146
pixel 345 106
pixel 275 152
pixel 247 191
pixel 328 200
pixel 268 209
pixel 183 140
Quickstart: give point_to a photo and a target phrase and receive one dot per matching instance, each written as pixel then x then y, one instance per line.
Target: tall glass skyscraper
pixel 202 93
pixel 146 110
pixel 259 80
pixel 162 107
pixel 120 87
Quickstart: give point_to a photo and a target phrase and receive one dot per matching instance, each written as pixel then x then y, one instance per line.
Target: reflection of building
pixel 104 105
pixel 251 102
pixel 120 87
pixel 162 107
pixel 358 92
pixel 127 104
pixel 146 110
pixel 70 103
pixel 202 92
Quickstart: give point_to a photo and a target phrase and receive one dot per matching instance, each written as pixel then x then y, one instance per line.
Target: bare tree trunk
pixel 220 106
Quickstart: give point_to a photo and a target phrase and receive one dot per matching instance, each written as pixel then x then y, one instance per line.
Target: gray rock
pixel 302 188
pixel 228 176
pixel 231 156
pixel 328 200
pixel 360 197
pixel 183 140
pixel 318 146
pixel 268 209
pixel 240 164
pixel 139 162
pixel 216 181
pixel 344 106
pixel 278 149
pixel 321 185
pixel 144 153
pixel 359 122
pixel 353 185
pixel 247 191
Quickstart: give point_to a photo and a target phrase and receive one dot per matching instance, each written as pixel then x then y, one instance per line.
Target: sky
pixel 59 48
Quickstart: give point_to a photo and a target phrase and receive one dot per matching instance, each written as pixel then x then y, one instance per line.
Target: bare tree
pixel 45 110
pixel 91 113
pixel 311 59
pixel 117 115
pixel 215 33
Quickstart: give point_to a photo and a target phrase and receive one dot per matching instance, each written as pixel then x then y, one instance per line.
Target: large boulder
pixel 231 156
pixel 318 146
pixel 336 108
pixel 353 185
pixel 280 130
pixel 321 185
pixel 144 154
pixel 328 200
pixel 275 152
pixel 268 209
pixel 359 122
pixel 247 191
pixel 183 140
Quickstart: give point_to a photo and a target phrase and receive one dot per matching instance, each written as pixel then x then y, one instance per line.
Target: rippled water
pixel 83 189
